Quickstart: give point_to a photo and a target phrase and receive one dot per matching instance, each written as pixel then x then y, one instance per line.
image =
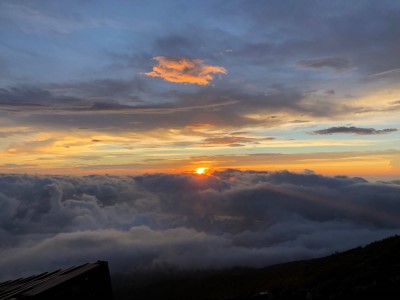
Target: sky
pixel 133 87
pixel 108 109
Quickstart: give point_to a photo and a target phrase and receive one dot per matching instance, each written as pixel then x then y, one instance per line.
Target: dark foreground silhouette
pixel 370 272
pixel 90 281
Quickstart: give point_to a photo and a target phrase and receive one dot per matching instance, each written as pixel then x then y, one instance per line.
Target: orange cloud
pixel 184 70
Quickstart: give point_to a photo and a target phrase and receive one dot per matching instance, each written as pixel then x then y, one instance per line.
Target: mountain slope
pixel 370 272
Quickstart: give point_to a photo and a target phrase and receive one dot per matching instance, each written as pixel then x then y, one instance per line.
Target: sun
pixel 201 171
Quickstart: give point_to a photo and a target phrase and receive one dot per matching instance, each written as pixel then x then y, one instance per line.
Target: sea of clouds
pixel 185 221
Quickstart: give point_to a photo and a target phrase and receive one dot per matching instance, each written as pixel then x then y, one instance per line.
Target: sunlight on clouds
pixel 395 165
pixel 380 104
pixel 348 163
pixel 185 149
pixel 184 70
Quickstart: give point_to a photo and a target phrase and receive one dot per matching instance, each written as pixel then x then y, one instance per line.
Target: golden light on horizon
pixel 201 171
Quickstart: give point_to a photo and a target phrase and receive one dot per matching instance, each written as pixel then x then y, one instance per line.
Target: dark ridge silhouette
pixel 370 272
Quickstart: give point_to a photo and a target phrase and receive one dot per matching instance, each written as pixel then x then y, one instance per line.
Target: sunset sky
pixel 130 87
pixel 196 134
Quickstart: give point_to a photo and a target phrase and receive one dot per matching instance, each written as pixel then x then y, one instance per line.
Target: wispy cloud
pixel 34 20
pixel 353 130
pixel 232 140
pixel 184 70
pixel 387 73
pixel 338 64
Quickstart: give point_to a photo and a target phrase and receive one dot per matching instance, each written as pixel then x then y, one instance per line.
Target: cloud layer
pixel 184 221
pixel 184 70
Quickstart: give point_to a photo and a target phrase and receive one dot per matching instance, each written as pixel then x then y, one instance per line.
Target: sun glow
pixel 201 171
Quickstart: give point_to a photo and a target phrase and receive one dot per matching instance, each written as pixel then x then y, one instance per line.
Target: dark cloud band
pixel 353 130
